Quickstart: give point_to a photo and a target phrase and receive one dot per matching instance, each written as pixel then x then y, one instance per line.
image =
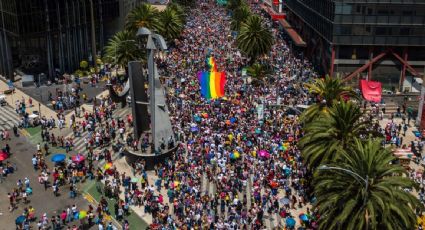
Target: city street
pixel 41 94
pixel 42 200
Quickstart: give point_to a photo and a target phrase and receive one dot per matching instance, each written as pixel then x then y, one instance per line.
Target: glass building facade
pixel 44 35
pixel 359 29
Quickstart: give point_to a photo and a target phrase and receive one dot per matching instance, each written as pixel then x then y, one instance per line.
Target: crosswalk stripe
pixel 8 117
pixel 79 143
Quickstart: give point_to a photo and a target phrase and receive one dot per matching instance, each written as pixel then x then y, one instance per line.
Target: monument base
pixel 150 158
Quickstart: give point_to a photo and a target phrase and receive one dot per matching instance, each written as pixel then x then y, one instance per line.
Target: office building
pixel 382 40
pixel 47 35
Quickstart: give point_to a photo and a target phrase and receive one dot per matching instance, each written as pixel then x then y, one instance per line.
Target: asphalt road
pixel 41 94
pixel 43 201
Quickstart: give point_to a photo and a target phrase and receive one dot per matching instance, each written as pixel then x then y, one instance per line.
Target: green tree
pixel 84 64
pixel 365 191
pixel 171 24
pixel 240 15
pixel 258 72
pixel 234 4
pixel 122 48
pixel 254 38
pixel 144 15
pixel 335 129
pixel 327 91
pixel 179 10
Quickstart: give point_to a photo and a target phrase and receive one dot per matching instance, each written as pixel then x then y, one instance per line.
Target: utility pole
pixel 93 36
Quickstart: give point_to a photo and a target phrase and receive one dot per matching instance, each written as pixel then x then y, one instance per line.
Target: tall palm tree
pixel 258 72
pixel 234 4
pixel 180 11
pixel 327 91
pixel 122 48
pixel 335 129
pixel 239 15
pixel 171 24
pixel 254 38
pixel 365 191
pixel 144 15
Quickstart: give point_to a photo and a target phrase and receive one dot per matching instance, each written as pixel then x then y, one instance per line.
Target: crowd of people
pixel 235 167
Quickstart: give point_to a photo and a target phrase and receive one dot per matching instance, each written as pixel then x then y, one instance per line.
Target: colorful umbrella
pixel 284 201
pixel 107 166
pixel 194 129
pixel 274 184
pixel 303 217
pixel 20 219
pixel 176 183
pixel 264 153
pixel 290 222
pixel 3 156
pixel 82 214
pixel 78 158
pixel 59 157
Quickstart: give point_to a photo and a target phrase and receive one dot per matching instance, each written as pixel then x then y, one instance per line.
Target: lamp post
pixel 358 178
pixel 151 47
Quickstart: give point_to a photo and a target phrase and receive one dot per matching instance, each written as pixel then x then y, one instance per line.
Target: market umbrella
pixel 20 219
pixel 82 214
pixel 59 157
pixel 303 217
pixel 274 184
pixel 107 166
pixel 284 201
pixel 78 158
pixel 3 156
pixel 264 153
pixel 194 129
pixel 290 222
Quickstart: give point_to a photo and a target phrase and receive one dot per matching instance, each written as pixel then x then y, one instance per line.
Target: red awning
pixel 273 14
pixel 292 33
pixel 371 90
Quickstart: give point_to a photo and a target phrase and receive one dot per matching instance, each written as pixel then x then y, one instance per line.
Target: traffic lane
pixel 43 201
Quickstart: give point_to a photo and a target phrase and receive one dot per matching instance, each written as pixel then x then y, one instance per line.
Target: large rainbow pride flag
pixel 212 84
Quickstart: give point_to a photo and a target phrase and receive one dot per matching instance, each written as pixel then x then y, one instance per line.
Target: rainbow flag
pixel 211 64
pixel 212 84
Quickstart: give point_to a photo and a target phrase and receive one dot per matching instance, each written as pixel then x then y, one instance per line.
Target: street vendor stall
pixel 404 156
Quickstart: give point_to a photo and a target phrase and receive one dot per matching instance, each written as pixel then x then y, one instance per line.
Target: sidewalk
pixel 18 95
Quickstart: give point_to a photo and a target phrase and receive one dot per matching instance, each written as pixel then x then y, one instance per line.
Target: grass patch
pixel 33 130
pixel 136 222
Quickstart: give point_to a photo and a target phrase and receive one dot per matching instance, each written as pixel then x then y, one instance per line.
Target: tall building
pixel 382 40
pixel 47 35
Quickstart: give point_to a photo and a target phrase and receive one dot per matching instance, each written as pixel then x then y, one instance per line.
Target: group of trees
pixel 355 180
pixel 254 38
pixel 124 45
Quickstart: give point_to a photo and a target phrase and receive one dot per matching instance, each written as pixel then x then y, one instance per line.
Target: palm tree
pixel 365 191
pixel 240 15
pixel 234 4
pixel 180 11
pixel 122 48
pixel 335 129
pixel 258 72
pixel 171 24
pixel 327 91
pixel 144 15
pixel 254 38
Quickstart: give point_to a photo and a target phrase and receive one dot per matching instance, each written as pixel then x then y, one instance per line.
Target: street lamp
pixel 154 42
